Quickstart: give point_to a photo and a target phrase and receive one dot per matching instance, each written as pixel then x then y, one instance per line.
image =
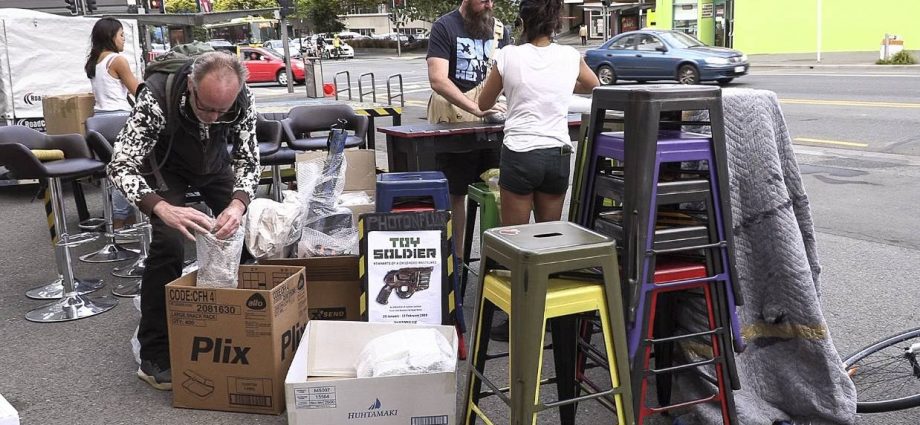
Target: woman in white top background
pixel 538 78
pixel 112 80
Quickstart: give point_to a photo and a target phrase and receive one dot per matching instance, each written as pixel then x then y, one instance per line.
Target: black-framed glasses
pixel 224 116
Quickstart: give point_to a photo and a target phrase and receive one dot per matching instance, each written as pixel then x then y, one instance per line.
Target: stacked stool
pixel 17 145
pixel 532 254
pixel 393 187
pixel 651 149
pixel 482 199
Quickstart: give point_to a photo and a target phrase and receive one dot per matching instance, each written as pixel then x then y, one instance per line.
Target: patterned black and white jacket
pixel 147 127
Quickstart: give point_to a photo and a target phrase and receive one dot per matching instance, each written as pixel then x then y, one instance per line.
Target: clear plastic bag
pixel 218 259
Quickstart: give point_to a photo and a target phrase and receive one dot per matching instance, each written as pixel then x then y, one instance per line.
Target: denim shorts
pixel 540 170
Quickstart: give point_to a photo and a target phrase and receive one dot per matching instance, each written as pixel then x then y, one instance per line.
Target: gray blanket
pixel 790 370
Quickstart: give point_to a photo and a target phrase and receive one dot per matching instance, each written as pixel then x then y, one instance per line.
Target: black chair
pixel 272 154
pixel 16 145
pixel 101 131
pixel 303 121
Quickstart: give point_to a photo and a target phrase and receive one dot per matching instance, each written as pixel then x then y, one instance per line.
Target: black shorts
pixel 464 168
pixel 540 170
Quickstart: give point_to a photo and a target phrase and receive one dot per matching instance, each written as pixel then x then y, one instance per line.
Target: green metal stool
pixel 483 199
pixel 532 253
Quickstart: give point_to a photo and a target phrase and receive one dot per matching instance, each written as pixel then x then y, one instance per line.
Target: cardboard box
pixel 333 285
pixel 231 348
pixel 360 175
pixel 67 113
pixel 321 387
pixel 8 415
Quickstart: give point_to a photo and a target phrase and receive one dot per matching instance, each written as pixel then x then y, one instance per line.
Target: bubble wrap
pixel 218 259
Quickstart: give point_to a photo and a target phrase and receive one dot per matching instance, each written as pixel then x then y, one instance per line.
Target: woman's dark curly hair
pixel 540 18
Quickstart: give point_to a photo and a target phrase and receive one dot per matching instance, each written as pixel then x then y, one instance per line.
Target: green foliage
pixel 181 6
pixel 225 5
pixel 430 10
pixel 901 58
pixel 324 14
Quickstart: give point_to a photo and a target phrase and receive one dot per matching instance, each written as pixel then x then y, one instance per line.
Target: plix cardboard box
pixel 360 175
pixel 321 387
pixel 67 113
pixel 231 348
pixel 333 285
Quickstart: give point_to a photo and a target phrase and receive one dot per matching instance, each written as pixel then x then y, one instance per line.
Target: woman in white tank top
pixel 108 71
pixel 112 80
pixel 538 78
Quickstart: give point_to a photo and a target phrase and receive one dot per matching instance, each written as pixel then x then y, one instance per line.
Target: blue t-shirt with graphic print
pixel 468 57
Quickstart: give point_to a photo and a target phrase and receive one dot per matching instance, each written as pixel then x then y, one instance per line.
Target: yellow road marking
pixel 850 103
pixel 831 142
pixel 417 103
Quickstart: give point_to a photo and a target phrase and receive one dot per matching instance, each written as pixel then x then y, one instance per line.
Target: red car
pixel 264 66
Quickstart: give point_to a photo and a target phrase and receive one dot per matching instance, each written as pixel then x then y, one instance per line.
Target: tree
pixel 225 5
pixel 324 14
pixel 182 6
pixel 430 10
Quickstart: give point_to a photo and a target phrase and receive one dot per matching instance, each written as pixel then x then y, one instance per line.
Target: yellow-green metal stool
pixel 531 254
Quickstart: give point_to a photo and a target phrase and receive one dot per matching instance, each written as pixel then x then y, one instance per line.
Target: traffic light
pixel 72 6
pixel 287 8
pixel 91 6
pixel 156 6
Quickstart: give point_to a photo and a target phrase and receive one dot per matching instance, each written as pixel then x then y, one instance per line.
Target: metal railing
pixel 391 96
pixel 372 92
pixel 335 82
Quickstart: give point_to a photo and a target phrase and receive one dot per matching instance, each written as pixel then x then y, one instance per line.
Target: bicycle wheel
pixel 887 373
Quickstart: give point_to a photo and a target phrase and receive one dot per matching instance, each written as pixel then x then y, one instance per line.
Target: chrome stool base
pixel 94 224
pixel 135 269
pixel 81 238
pixel 55 290
pixel 110 253
pixel 127 289
pixel 72 307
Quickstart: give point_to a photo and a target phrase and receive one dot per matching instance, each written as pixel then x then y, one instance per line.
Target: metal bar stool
pixel 480 199
pixel 15 154
pixel 101 131
pixel 416 184
pixel 533 253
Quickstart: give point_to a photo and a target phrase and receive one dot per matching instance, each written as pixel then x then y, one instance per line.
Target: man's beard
pixel 478 24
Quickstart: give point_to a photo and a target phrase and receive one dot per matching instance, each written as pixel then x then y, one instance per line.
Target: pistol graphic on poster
pixel 406 281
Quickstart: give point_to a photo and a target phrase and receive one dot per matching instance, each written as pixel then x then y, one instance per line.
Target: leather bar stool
pixel 16 143
pixel 101 131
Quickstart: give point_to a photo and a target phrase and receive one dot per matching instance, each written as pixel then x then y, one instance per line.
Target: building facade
pixel 792 26
pixel 376 20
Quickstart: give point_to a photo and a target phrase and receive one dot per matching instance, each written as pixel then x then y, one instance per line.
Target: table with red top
pixel 414 147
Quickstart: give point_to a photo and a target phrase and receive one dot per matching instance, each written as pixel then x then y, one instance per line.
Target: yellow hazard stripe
pixel 380 112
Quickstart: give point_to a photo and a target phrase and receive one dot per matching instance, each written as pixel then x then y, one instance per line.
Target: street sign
pixel 706 12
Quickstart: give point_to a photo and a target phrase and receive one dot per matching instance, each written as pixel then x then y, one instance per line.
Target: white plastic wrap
pixel 407 352
pixel 218 259
pixel 272 226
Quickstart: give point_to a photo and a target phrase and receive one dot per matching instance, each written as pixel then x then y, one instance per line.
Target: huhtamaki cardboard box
pixel 360 176
pixel 230 348
pixel 8 415
pixel 333 285
pixel 67 113
pixel 321 387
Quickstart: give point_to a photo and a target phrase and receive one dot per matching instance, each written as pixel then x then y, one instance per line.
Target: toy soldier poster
pixel 405 257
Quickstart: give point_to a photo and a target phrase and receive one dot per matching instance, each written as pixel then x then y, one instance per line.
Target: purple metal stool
pixel 673 146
